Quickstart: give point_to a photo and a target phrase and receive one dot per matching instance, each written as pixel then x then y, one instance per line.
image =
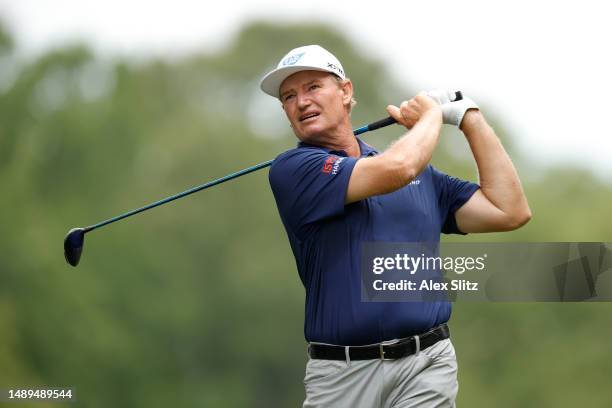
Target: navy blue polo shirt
pixel 309 184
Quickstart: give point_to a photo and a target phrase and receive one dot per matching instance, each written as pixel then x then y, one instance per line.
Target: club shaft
pixel 372 126
pixel 183 194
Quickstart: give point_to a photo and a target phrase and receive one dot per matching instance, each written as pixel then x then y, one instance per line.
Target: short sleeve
pixel 309 185
pixel 452 192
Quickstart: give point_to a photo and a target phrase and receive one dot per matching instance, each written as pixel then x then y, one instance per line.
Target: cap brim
pixel 271 83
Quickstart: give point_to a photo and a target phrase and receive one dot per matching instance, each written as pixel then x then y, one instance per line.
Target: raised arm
pixel 404 159
pixel 500 204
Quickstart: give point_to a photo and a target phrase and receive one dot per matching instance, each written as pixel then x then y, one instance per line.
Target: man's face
pixel 315 103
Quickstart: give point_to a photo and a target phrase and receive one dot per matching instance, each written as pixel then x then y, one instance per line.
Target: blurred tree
pixel 6 41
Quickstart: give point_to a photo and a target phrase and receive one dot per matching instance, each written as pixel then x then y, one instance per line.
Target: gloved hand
pixel 452 111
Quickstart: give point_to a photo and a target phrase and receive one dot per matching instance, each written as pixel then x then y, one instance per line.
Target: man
pixel 334 192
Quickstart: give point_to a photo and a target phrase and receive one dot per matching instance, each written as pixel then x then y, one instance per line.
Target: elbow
pixel 401 172
pixel 519 219
pixel 390 172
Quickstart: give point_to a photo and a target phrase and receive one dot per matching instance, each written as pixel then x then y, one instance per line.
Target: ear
pixel 347 91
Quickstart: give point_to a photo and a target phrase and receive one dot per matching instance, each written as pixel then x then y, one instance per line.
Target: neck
pixel 349 145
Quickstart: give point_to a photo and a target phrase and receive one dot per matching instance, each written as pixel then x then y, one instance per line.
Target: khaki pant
pixel 426 379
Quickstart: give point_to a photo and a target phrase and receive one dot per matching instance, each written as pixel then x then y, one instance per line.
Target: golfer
pixel 335 192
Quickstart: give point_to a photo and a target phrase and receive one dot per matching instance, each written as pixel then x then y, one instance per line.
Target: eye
pixel 288 97
pixel 314 86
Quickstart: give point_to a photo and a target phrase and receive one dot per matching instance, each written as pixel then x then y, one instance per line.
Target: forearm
pixel 416 147
pixel 498 178
pixel 405 158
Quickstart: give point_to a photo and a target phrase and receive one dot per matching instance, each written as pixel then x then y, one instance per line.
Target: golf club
pixel 75 239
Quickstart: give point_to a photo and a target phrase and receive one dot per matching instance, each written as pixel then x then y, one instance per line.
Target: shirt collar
pixel 366 149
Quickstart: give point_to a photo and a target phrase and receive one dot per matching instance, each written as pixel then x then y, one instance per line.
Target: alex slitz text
pixel 461 285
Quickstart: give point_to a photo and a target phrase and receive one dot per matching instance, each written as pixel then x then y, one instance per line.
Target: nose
pixel 303 101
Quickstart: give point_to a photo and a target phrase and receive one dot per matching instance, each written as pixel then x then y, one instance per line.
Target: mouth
pixel 308 116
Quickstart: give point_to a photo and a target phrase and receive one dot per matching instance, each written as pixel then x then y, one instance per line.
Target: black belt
pixel 383 351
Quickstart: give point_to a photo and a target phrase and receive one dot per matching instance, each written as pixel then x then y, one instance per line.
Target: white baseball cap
pixel 308 57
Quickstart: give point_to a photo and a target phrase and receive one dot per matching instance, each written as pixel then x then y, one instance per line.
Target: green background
pixel 198 303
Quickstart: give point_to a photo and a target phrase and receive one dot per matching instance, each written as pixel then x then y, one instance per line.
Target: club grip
pixel 390 121
pixel 381 123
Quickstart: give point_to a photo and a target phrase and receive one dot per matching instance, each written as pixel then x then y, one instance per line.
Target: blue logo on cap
pixel 292 59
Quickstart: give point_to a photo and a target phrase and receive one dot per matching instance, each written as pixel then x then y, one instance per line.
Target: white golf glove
pixel 452 111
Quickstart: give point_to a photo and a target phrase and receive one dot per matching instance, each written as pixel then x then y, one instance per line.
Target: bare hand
pixel 410 112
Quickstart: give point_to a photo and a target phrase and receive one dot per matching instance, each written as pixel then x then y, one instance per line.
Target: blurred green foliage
pixel 198 303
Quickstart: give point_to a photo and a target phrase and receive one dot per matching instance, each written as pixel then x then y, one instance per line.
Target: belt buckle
pixel 382 351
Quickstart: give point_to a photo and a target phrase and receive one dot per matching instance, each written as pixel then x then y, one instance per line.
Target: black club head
pixel 73 245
